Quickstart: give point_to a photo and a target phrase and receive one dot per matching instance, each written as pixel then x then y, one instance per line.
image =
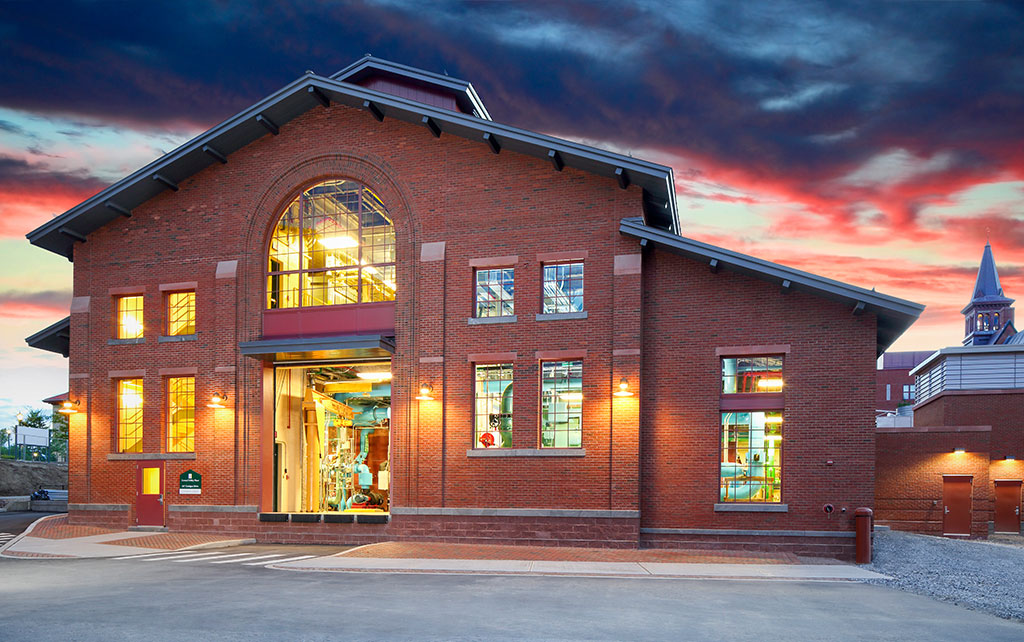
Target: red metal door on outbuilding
pixel 1008 505
pixel 956 501
pixel 149 503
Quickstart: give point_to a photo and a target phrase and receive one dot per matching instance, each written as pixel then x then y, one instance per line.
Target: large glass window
pixel 129 415
pixel 128 323
pixel 751 374
pixel 493 418
pixel 334 245
pixel 563 288
pixel 495 292
pixel 181 414
pixel 561 404
pixel 751 469
pixel 181 313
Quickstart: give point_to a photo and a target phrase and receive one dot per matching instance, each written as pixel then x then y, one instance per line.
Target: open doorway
pixel 332 437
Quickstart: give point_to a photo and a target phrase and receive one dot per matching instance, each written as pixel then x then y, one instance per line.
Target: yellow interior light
pixel 339 242
pixel 770 384
pixel 571 396
pixel 374 376
pixel 773 437
pixel 773 419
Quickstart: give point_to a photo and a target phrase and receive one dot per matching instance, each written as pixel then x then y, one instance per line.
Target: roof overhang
pixel 938 355
pixel 55 338
pixel 57 400
pixel 311 91
pixel 316 349
pixel 465 96
pixel 894 315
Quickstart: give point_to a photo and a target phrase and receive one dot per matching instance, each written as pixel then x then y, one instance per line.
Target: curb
pixel 226 543
pixel 25 533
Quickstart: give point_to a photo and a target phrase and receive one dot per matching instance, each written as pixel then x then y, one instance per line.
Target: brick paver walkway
pixel 58 528
pixel 28 554
pixel 167 541
pixel 432 550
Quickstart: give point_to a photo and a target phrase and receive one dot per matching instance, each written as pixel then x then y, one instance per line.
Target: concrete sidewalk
pixel 53 537
pixel 834 572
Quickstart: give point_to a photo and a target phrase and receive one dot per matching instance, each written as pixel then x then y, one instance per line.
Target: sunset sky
pixel 874 143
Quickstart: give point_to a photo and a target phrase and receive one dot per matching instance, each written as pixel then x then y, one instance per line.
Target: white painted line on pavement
pixel 178 556
pixel 202 558
pixel 225 558
pixel 250 559
pixel 289 559
pixel 164 555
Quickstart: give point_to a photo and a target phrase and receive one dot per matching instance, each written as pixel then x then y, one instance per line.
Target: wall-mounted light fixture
pixel 66 408
pixel 623 390
pixel 1011 458
pixel 217 400
pixel 425 390
pixel 959 451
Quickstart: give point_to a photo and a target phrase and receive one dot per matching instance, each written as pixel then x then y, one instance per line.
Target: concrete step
pixel 51 506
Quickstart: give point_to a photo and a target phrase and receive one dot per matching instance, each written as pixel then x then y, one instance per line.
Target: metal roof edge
pixel 636 228
pixel 52 332
pixel 189 146
pixel 543 141
pixel 456 84
pixel 961 350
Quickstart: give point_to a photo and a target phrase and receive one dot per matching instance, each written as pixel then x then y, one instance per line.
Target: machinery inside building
pixel 332 437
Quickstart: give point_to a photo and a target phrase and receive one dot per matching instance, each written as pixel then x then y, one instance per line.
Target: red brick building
pixel 957 470
pixel 362 309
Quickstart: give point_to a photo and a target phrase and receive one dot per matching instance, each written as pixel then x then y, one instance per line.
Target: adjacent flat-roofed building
pixel 957 470
pixel 363 310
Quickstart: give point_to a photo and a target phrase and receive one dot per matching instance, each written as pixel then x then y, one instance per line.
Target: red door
pixel 149 502
pixel 956 501
pixel 1008 506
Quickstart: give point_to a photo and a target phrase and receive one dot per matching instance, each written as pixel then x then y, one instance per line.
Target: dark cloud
pixel 24 303
pixel 788 96
pixel 20 176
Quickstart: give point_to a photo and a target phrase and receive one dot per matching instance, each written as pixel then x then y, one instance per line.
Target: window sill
pixel 177 338
pixel 489 320
pixel 751 508
pixel 526 452
pixel 153 456
pixel 560 316
pixel 125 342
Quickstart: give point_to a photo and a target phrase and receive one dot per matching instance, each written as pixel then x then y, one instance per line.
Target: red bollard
pixel 863 520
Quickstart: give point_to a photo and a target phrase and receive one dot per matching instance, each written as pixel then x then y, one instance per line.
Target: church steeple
pixel 989 315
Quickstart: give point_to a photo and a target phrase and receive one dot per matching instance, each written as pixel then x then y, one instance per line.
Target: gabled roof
pixel 894 315
pixel 465 96
pixel 54 338
pixel 310 92
pixel 986 287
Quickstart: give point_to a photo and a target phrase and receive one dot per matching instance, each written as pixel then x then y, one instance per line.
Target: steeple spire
pixel 986 287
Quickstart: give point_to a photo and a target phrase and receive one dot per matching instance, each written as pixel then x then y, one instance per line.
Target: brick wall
pixel 829 378
pixel 911 463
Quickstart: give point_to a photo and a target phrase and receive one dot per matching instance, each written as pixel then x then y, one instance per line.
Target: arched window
pixel 980 317
pixel 995 323
pixel 334 245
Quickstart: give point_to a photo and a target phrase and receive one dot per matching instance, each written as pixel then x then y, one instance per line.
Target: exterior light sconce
pixel 217 400
pixel 1011 458
pixel 66 408
pixel 623 390
pixel 959 451
pixel 425 390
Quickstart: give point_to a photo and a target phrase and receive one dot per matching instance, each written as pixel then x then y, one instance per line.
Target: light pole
pixel 21 417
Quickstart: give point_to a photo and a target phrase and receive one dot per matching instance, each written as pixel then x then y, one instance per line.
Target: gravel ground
pixel 979 575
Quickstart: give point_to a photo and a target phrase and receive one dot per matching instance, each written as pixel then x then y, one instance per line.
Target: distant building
pixel 895 385
pixel 957 468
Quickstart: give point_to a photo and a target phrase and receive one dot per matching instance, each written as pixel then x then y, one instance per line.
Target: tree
pixel 37 418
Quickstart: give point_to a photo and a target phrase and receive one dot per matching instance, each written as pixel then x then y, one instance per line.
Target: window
pixel 129 415
pixel 334 245
pixel 909 392
pixel 128 323
pixel 561 404
pixel 888 392
pixel 563 288
pixel 181 414
pixel 751 469
pixel 495 292
pixel 181 313
pixel 751 374
pixel 493 418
